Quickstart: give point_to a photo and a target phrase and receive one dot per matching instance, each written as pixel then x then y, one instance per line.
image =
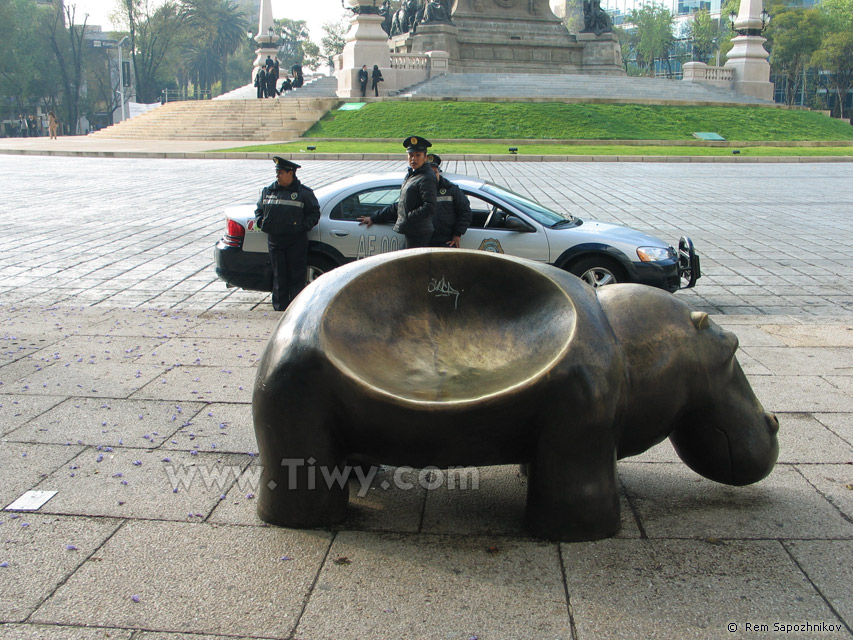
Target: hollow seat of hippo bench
pixel 448 327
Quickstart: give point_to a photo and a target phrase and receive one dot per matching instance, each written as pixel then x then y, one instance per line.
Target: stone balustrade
pixel 409 61
pixel 701 72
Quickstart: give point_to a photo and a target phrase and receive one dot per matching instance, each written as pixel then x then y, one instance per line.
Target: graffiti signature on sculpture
pixel 442 288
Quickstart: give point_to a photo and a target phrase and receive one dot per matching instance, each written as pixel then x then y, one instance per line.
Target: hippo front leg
pixel 572 492
pixel 302 483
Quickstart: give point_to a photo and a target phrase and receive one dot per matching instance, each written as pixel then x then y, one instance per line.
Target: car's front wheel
pixel 598 271
pixel 318 264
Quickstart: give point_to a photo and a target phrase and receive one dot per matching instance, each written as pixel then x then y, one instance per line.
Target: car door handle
pixel 339 233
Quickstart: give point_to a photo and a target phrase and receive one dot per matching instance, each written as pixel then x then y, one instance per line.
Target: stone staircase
pixel 316 86
pixel 581 87
pixel 229 119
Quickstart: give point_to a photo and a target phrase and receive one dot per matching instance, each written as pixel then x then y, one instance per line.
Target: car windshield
pixel 542 215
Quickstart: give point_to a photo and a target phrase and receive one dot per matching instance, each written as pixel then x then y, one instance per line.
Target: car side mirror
pixel 514 223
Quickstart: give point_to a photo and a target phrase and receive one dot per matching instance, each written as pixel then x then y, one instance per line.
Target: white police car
pixel 503 222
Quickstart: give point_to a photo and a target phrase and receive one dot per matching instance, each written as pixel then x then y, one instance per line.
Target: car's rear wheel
pixel 318 264
pixel 598 271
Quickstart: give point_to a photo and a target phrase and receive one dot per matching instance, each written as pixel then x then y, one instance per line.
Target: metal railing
pixel 176 95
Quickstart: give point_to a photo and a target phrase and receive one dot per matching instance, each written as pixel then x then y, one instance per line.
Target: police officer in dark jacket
pixel 415 208
pixel 286 212
pixel 452 209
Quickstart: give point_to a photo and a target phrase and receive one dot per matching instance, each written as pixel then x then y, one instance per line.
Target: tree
pixel 27 75
pixel 702 31
pixel 835 57
pixel 215 30
pixel 153 39
pixel 794 35
pixel 654 35
pixel 839 14
pixel 295 46
pixel 67 46
pixel 333 41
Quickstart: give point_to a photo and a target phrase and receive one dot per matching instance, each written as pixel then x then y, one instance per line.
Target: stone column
pixel 748 58
pixel 366 44
pixel 266 38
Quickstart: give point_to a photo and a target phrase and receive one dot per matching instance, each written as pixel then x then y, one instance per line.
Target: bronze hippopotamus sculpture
pixel 432 357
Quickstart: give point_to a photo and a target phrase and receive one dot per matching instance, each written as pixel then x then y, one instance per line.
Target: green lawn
pixel 513 120
pixel 547 149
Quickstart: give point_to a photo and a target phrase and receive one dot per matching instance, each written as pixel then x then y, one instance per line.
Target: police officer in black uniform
pixel 452 210
pixel 286 212
pixel 415 208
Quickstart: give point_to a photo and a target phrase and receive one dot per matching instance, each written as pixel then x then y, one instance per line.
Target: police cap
pixel 416 143
pixel 284 165
pixel 434 159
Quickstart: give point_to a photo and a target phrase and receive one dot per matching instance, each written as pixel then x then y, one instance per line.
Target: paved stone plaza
pixel 126 372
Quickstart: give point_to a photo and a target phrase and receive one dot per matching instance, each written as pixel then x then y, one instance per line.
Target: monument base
pixel 751 69
pixel 602 55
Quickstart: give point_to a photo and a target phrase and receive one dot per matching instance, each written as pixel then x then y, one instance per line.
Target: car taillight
pixel 234 234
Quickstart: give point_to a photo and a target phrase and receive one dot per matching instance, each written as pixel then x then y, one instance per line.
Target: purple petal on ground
pixel 118 475
pixel 4 564
pixel 135 598
pixel 175 490
pixel 137 463
pixel 124 482
pixel 25 524
pixel 249 496
pixel 70 547
pixel 166 460
pixel 286 558
pixel 99 458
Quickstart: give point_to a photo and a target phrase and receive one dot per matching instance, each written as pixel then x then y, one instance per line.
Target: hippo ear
pixel 700 320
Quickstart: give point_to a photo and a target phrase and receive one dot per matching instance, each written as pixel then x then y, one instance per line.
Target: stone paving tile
pixel 492 504
pixel 809 361
pixel 835 482
pixel 147 322
pixel 16 410
pixel 257 325
pixel 139 483
pixel 217 427
pixel 108 422
pixel 235 352
pixel 95 350
pixel 806 394
pixel 25 465
pixel 431 588
pixel 224 384
pixel 47 324
pixel 40 553
pixel 802 438
pixel 840 335
pixel 673 502
pixel 687 589
pixel 839 423
pixel 51 632
pixel 193 578
pixel 819 560
pixel 111 380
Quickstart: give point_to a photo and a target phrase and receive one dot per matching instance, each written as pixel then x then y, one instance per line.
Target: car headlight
pixel 654 254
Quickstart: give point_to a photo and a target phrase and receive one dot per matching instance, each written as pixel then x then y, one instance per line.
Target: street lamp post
pixel 121 76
